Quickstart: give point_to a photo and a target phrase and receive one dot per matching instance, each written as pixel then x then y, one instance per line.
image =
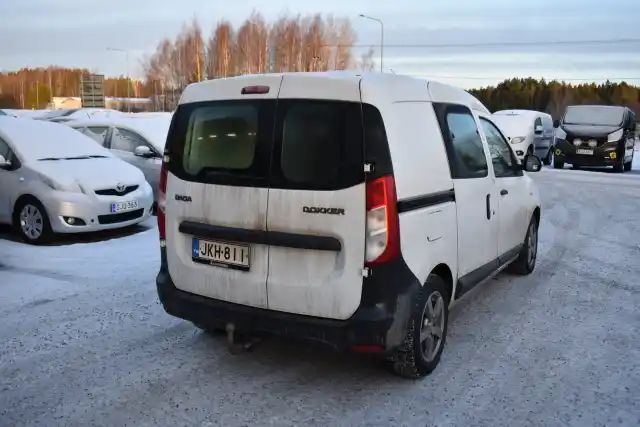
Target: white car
pixel 136 141
pixel 348 209
pixel 53 179
pixel 68 114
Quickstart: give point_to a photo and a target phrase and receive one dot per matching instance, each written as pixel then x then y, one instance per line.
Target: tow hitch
pixel 239 343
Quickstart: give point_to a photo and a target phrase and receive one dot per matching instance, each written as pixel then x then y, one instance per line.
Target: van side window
pixel 502 158
pixel 467 158
pixel 537 123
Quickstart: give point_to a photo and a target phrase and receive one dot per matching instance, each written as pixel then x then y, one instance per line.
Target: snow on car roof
pixel 33 140
pixel 153 129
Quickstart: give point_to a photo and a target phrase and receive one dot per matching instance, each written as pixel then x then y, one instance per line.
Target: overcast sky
pixel 77 33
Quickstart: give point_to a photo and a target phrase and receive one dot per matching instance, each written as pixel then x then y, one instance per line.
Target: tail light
pixel 383 228
pixel 162 201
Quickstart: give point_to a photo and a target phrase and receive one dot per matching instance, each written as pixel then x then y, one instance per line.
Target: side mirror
pixel 537 129
pixel 556 123
pixel 143 151
pixel 4 163
pixel 532 163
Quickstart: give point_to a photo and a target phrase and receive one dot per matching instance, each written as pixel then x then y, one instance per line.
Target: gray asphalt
pixel 84 341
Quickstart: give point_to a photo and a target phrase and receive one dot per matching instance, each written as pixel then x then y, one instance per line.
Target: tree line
pixel 554 96
pixel 290 43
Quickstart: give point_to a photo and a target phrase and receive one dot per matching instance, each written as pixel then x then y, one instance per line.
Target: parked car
pixel 68 114
pixel 596 135
pixel 136 141
pixel 327 207
pixel 56 180
pixel 528 132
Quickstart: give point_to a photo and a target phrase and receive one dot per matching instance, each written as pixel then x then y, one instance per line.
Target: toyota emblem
pixel 120 188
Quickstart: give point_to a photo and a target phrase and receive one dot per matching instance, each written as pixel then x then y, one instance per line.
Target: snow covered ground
pixel 86 343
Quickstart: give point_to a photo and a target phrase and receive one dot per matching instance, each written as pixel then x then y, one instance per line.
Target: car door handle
pixel 488 206
pixel 503 192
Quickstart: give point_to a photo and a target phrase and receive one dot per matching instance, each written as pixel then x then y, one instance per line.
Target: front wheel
pixel 558 163
pixel 31 221
pixel 423 345
pixel 629 164
pixel 526 261
pixel 549 158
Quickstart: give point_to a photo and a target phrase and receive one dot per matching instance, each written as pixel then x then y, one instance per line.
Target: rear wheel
pixel 526 261
pixel 31 221
pixel 421 351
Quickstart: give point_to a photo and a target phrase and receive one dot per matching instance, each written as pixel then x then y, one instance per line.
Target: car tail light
pixel 162 201
pixel 254 90
pixel 383 228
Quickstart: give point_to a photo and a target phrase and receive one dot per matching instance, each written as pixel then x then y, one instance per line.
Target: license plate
pixel 584 151
pixel 221 254
pixel 124 206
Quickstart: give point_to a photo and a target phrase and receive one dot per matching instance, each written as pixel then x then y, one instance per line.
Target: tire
pixel 629 164
pixel 409 360
pixel 619 168
pixel 558 163
pixel 31 221
pixel 526 261
pixel 549 158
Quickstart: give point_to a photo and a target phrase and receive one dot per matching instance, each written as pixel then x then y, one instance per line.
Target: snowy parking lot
pixel 85 341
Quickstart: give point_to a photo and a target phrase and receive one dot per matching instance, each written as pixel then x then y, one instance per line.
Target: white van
pixel 341 208
pixel 528 132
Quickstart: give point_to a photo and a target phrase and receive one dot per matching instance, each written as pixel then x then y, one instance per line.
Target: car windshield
pixel 595 115
pixel 58 113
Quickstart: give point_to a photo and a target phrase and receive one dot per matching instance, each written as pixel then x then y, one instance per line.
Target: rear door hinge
pixel 366 272
pixel 368 167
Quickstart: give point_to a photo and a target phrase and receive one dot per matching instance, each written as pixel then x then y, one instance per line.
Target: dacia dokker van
pixel 596 135
pixel 341 208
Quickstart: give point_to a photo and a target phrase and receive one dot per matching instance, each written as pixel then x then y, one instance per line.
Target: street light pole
pixel 126 52
pixel 379 21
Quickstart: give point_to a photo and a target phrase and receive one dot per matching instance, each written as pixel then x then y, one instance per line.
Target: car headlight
pixel 592 143
pixel 517 139
pixel 577 142
pixel 615 136
pixel 75 187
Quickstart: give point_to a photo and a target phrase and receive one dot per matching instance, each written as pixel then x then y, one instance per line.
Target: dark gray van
pixel 595 135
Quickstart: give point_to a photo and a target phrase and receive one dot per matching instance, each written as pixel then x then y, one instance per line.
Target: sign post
pixel 92 91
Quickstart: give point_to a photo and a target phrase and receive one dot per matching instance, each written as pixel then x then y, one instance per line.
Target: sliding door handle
pixel 488 206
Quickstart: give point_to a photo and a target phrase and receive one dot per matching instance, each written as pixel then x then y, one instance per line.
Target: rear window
pixel 292 144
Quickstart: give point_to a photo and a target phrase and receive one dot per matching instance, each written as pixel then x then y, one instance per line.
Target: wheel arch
pixel 444 272
pixel 23 199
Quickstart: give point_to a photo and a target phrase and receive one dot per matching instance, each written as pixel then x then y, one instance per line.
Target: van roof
pixel 520 112
pixel 382 87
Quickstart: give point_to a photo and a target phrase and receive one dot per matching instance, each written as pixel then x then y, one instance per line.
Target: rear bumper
pixel 379 324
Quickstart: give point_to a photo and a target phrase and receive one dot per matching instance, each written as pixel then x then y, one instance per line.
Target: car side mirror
pixel 556 123
pixel 143 151
pixel 537 129
pixel 532 163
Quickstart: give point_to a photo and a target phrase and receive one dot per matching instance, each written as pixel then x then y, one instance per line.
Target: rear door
pixel 220 146
pixel 316 207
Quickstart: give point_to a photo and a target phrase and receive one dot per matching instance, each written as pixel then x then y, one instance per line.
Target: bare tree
pixel 366 62
pixel 252 43
pixel 220 49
